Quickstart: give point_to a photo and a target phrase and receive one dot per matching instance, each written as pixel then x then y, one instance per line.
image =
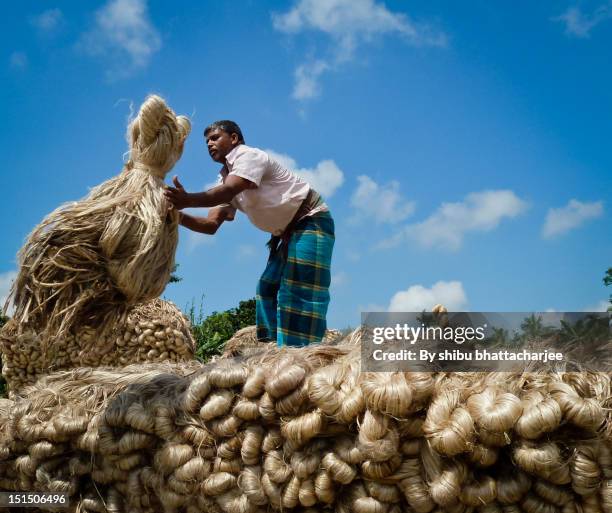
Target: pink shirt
pixel 279 193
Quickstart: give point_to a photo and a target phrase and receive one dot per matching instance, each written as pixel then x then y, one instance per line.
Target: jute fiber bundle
pixel 244 341
pixel 155 331
pixel 304 430
pixel 90 261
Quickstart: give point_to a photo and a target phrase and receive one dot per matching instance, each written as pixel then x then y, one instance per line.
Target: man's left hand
pixel 177 195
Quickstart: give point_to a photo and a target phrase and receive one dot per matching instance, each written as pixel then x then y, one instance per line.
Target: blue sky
pixel 463 148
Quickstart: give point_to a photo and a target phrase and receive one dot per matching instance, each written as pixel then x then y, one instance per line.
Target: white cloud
pixel 446 228
pixel 382 203
pixel 372 307
pixel 325 178
pixel 124 35
pixel 246 252
pixel 18 60
pixel 417 298
pixel 339 279
pixel 348 24
pixel 195 240
pixel 578 24
pixel 6 280
pixel 601 306
pixel 575 213
pixel 48 21
pixel 283 159
pixel 307 80
pixel 353 255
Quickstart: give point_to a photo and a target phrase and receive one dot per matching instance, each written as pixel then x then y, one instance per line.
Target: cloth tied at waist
pixel 277 242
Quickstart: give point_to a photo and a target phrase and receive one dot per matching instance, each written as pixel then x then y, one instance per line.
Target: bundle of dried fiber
pixel 88 430
pixel 151 332
pixel 89 261
pixel 22 360
pixel 245 342
pixel 332 337
pixel 304 430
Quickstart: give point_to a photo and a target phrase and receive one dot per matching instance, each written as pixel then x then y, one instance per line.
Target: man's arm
pixel 218 195
pixel 209 224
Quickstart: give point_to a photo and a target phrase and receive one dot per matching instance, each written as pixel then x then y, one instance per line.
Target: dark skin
pixel 219 144
pixel 209 224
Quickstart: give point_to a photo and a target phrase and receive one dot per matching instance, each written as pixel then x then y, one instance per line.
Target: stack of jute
pixel 303 430
pixel 90 261
pixel 244 341
pixel 156 331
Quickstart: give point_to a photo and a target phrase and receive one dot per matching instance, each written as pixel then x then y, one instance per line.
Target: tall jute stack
pixel 90 261
pixel 304 430
pixel 91 272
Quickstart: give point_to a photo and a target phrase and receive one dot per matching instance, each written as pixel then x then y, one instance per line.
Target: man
pixel 293 291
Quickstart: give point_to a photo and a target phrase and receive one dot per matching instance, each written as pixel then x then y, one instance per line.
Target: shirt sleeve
pixel 251 165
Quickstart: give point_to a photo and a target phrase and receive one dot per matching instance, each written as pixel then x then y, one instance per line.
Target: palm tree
pixel 533 327
pixel 589 329
pixel 500 336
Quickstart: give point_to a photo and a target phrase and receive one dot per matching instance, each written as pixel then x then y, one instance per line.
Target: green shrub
pixel 212 332
pixel 175 278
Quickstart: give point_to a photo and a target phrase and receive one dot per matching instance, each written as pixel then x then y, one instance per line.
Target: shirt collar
pixel 231 156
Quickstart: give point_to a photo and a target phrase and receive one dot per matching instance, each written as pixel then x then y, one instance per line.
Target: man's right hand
pixel 221 214
pixel 177 195
pixel 228 211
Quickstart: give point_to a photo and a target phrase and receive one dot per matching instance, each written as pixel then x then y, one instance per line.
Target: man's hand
pixel 177 195
pixel 228 212
pixel 218 195
pixel 209 224
pixel 220 214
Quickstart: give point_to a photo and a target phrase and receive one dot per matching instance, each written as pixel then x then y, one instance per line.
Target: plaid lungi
pixel 293 291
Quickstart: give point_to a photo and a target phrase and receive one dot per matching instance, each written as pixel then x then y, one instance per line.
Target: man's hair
pixel 229 127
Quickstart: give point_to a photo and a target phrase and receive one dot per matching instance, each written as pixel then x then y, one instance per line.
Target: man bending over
pixel 293 291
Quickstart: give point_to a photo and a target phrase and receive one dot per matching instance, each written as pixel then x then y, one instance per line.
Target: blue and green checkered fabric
pixel 293 293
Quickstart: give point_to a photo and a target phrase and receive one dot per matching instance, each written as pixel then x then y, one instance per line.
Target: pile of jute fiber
pixel 244 341
pixel 155 331
pixel 90 261
pixel 304 430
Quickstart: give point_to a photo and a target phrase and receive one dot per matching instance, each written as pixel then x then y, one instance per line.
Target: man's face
pixel 220 143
